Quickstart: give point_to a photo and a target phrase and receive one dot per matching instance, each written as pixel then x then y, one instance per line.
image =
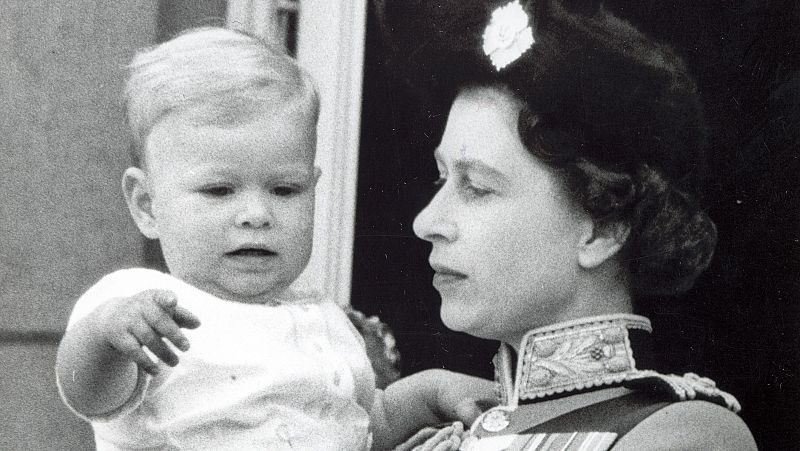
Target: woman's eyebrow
pixel 474 165
pixel 466 164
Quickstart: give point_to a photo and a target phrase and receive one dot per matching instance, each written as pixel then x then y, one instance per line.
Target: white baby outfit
pixel 291 376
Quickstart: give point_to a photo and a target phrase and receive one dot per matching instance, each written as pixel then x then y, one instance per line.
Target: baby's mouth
pixel 252 252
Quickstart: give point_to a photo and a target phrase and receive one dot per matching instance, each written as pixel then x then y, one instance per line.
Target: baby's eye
pixel 217 191
pixel 438 183
pixel 286 190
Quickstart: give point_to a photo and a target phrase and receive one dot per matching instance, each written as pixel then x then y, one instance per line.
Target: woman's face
pixel 505 234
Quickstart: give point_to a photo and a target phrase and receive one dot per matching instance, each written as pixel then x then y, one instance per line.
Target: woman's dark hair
pixel 613 112
pixel 671 238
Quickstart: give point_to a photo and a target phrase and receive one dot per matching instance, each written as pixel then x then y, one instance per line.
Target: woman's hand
pixel 460 397
pixel 448 438
pixel 430 397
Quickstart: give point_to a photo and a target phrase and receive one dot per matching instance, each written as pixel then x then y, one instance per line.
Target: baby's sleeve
pixel 122 283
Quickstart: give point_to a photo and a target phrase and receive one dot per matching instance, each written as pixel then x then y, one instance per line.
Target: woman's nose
pixel 434 222
pixel 255 212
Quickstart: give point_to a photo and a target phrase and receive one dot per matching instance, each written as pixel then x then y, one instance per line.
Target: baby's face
pixel 233 206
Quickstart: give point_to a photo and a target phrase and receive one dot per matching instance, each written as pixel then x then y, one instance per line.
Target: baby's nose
pixel 255 212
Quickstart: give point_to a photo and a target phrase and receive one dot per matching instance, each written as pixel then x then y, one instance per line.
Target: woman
pixel 568 170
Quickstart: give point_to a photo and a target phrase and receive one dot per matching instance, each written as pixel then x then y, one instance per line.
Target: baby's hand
pixel 143 320
pixel 432 439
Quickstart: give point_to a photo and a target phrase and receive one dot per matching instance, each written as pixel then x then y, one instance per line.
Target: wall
pixel 63 222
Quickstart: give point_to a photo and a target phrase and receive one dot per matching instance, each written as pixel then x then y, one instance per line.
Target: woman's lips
pixel 445 277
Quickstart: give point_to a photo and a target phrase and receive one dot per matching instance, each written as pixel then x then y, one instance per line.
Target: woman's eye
pixel 474 189
pixel 477 191
pixel 217 191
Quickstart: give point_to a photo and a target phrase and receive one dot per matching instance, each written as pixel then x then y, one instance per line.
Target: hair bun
pixel 675 240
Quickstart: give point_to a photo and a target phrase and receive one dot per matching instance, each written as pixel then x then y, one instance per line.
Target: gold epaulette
pixel 688 387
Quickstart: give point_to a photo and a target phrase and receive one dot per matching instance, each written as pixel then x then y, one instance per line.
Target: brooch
pixel 508 35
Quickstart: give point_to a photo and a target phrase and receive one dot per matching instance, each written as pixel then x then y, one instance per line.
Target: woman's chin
pixel 460 318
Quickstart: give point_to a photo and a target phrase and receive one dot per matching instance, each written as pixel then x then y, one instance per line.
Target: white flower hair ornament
pixel 508 35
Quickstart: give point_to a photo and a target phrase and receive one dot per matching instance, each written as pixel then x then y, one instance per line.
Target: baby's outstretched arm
pixel 98 357
pixel 427 398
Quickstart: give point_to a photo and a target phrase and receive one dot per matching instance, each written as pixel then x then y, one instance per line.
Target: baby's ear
pixel 601 242
pixel 136 188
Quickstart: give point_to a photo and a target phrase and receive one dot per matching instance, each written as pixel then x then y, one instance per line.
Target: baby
pixel 224 131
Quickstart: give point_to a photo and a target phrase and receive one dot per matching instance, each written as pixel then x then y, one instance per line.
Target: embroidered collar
pixel 570 356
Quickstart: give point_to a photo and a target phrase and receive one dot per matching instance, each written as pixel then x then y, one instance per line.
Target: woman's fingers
pixel 450 444
pixel 413 443
pixel 441 440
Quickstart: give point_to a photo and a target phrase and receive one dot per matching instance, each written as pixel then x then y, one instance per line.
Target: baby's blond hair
pixel 224 76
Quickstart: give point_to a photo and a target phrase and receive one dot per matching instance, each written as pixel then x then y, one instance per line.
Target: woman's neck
pixel 607 292
pixel 604 292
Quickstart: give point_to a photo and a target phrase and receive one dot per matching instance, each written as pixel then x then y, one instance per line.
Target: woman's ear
pixel 137 192
pixel 601 242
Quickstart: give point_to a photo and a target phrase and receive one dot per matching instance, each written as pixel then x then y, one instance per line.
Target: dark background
pixel 740 325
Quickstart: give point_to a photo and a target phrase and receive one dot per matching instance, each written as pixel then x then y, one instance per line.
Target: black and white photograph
pixel 409 225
